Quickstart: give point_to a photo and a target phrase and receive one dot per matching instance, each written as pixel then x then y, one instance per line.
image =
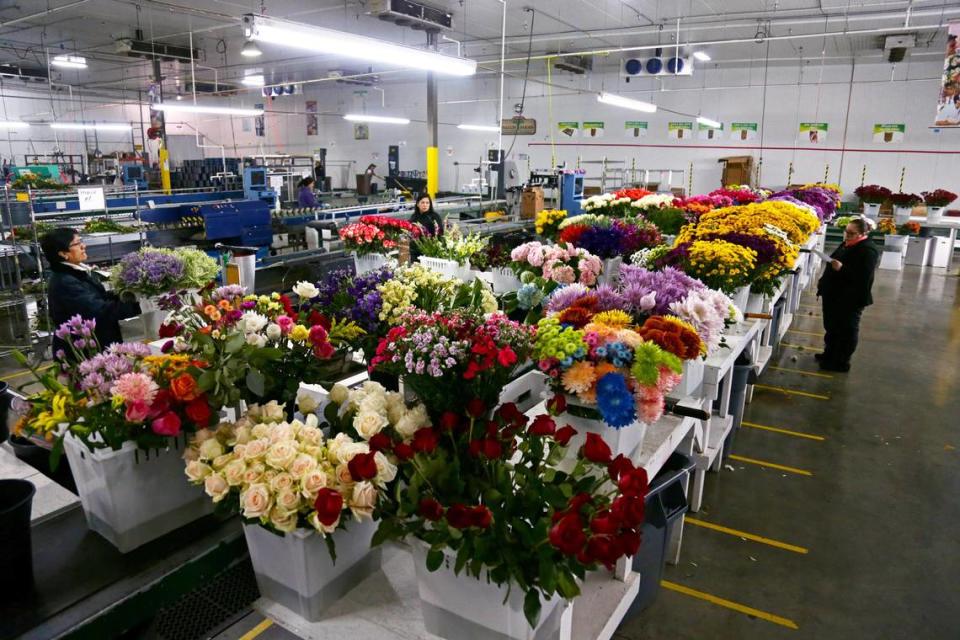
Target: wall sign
pixel 518 126
pixel 593 129
pixel 948 104
pixel 680 130
pixel 568 129
pixel 635 128
pixel 743 130
pixel 91 198
pixel 887 133
pixel 814 132
pixel 708 132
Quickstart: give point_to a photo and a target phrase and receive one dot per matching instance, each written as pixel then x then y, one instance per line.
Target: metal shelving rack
pixel 612 177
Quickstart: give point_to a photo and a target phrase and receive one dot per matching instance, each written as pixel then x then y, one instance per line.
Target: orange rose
pixel 184 388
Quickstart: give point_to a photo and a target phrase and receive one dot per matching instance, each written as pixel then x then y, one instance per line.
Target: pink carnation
pixel 285 323
pixel 564 274
pixel 133 388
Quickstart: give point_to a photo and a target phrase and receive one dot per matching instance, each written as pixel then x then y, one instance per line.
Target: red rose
pixel 318 335
pixel 476 407
pixel 629 541
pixel 604 549
pixel 198 411
pixel 324 350
pixel 362 466
pixel 481 517
pixel 328 504
pixel 380 442
pixel 430 509
pixel 557 404
pixel 510 413
pixel 425 440
pixel 620 465
pixel 629 510
pixel 403 451
pixel 287 305
pixel 492 449
pixel 493 428
pixel 166 425
pixel 161 403
pixel 543 425
pixel 577 501
pixel 169 330
pixel 567 535
pixel 634 482
pixel 506 357
pixel 316 317
pixel 596 450
pixel 449 421
pixel 475 447
pixel 604 522
pixel 563 435
pixel 460 516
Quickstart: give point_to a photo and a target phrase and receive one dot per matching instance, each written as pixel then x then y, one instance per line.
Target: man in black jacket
pixel 845 288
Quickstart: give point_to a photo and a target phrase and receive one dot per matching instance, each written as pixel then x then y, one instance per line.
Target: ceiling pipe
pixel 40 14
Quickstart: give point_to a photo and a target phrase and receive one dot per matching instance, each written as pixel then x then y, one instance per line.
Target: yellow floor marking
pixel 818 334
pixel 803 372
pixel 801 347
pixel 815 396
pixel 26 372
pixel 787 432
pixel 257 630
pixel 743 534
pixel 729 604
pixel 772 465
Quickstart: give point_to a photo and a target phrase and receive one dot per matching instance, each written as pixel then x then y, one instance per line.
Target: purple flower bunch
pixel 96 375
pixel 603 241
pixel 823 201
pixel 638 235
pixel 606 296
pixel 346 296
pixel 149 272
pixel 228 292
pixel 766 247
pixel 652 292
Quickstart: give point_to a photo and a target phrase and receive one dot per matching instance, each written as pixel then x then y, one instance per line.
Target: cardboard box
pixel 737 170
pixel 531 202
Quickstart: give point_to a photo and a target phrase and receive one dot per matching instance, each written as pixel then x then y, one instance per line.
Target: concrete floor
pixel 880 513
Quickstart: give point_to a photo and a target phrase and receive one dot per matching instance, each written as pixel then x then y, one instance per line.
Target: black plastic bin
pixel 16 556
pixel 775 322
pixel 740 377
pixel 665 504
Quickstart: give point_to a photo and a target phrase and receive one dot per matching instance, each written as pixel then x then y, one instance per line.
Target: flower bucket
pixel 152 316
pixel 895 242
pixel 740 297
pixel 131 496
pixel 691 381
pixel 369 262
pixel 901 215
pixel 626 440
pixel 756 303
pixel 296 571
pixel 934 214
pixel 611 270
pixel 669 240
pixel 918 251
pixel 457 607
pixel 504 280
pixel 871 210
pixel 449 268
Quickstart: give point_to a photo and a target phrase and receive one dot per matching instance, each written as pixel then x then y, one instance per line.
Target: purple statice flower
pixel 564 297
pixel 149 271
pixel 669 285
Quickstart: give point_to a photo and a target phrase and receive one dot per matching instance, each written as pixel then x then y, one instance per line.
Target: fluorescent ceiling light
pixel 701 56
pixel 626 103
pixel 69 62
pixel 348 45
pixel 12 124
pixel 104 126
pixel 708 122
pixel 362 117
pixel 251 50
pixel 478 127
pixel 253 80
pixel 200 108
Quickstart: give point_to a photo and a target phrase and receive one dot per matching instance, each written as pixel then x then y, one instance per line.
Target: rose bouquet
pixel 377 234
pixel 548 221
pixel 910 229
pixel 484 491
pixel 872 194
pixel 633 194
pixel 938 198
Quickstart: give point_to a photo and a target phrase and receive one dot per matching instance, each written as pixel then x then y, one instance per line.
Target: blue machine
pixel 256 186
pixel 571 192
pixel 247 222
pixel 133 175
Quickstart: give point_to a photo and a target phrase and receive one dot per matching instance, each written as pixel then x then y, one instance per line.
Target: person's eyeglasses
pixel 78 243
pixel 847 232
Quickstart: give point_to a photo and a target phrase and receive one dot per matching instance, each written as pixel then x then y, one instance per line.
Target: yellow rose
pixel 235 473
pixel 216 487
pixel 256 501
pixel 197 471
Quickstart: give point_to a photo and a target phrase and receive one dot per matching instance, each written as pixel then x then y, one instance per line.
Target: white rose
pixel 254 411
pixel 386 470
pixel 368 424
pixel 255 449
pixel 210 449
pixel 255 501
pixel 314 520
pixel 334 446
pixel 283 520
pixel 396 407
pixel 235 473
pixel 373 403
pixel 348 451
pixel 281 482
pixel 407 425
pixel 202 436
pixel 273 331
pixel 281 433
pixel 311 482
pixel 254 473
pixel 239 451
pixel 312 421
pixel 339 394
pixel 216 487
pixel 303 463
pixel 311 436
pixel 306 290
pixel 281 455
pixel 260 430
pixel 272 412
pixel 190 454
pixel 241 435
pixel 343 475
pixel 307 403
pixel 362 499
pixel 221 461
pixel 197 471
pixel 288 500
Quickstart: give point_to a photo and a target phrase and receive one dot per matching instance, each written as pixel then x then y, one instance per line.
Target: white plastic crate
pixel 918 250
pixel 296 571
pixel 504 280
pixel 131 496
pixel 757 303
pixel 449 268
pixel 526 391
pixel 460 607
pixel 626 440
pixel 940 250
pixel 152 316
pixel 740 297
pixel 368 262
pixel 691 382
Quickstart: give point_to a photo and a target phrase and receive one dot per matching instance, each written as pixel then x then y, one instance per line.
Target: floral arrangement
pixel 607 364
pixel 910 228
pixel 938 198
pixel 547 222
pixel 452 245
pixel 377 234
pixel 496 255
pixel 654 201
pixel 824 201
pixel 709 311
pixel 285 476
pixel 796 222
pixel 108 397
pixel 446 357
pixel 633 194
pixel 485 490
pixel 901 199
pixel 887 227
pixel 607 204
pixel 667 219
pixel 718 264
pixel 649 257
pixel 559 264
pixel 698 205
pixel 673 335
pixel 421 288
pixel 647 293
pixel 152 272
pixel 608 237
pixel 872 193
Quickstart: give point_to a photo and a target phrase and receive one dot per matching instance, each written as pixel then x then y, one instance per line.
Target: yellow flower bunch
pixel 720 264
pixel 407 288
pixel 548 220
pixel 796 222
pixel 615 319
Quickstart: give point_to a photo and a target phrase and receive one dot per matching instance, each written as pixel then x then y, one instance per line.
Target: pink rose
pixel 137 411
pixel 166 425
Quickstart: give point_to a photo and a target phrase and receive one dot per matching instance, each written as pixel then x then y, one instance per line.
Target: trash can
pixel 741 376
pixel 665 504
pixel 16 556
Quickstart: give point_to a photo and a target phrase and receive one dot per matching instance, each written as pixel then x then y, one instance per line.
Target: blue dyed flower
pixel 529 296
pixel 615 401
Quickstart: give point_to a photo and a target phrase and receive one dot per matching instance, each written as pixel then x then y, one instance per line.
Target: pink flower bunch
pixel 563 264
pixel 359 233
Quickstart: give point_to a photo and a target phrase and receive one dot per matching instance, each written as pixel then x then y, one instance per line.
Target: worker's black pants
pixel 841 322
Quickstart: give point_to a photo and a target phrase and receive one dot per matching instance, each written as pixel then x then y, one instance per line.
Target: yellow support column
pixel 165 170
pixel 433 171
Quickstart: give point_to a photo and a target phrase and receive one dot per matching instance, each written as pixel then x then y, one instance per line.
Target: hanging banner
pixel 680 130
pixel 885 133
pixel 568 129
pixel 518 126
pixel 948 105
pixel 593 129
pixel 636 128
pixel 814 132
pixel 259 122
pixel 312 125
pixel 707 132
pixel 743 130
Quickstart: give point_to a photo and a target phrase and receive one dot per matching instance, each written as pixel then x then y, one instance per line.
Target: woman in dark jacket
pixel 426 217
pixel 74 290
pixel 306 197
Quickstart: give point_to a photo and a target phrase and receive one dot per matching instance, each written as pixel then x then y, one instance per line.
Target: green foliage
pixel 668 219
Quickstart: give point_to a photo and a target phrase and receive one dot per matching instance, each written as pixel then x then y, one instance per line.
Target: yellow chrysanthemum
pixel 615 319
pixel 579 378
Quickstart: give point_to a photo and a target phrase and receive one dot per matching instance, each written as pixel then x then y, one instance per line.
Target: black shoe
pixel 834 366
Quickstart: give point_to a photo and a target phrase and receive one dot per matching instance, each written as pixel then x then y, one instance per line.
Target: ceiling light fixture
pixel 251 50
pixel 80 126
pixel 13 124
pixel 708 122
pixel 253 80
pixel 340 43
pixel 69 62
pixel 626 103
pixel 478 127
pixel 362 117
pixel 701 56
pixel 200 108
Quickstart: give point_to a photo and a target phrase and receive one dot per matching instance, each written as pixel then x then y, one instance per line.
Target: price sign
pixel 91 199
